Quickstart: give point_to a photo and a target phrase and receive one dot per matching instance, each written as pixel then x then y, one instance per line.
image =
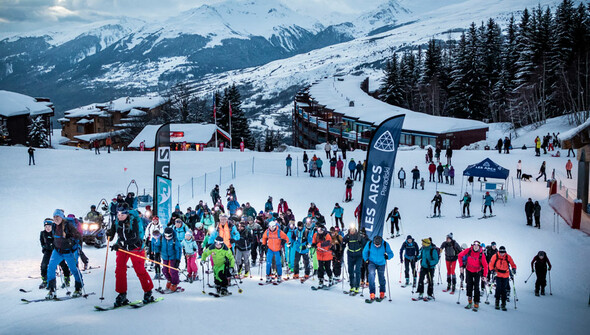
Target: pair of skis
pixel 69 297
pixel 133 304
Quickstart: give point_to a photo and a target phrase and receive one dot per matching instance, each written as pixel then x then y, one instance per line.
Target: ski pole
pixel 528 277
pixel 460 289
pixel 388 287
pixel 63 282
pixel 104 275
pixel 400 271
pixel 514 290
pixel 487 302
pixel 202 271
pixel 147 259
pixel 550 292
pixel 239 288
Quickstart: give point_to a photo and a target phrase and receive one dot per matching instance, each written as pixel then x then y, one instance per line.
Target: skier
pixel 355 243
pixel 207 220
pixel 452 175
pixel 428 256
pixel 473 260
pixel 394 216
pixel 529 209
pixel 301 239
pixel 376 253
pixel 215 197
pixel 407 255
pixel 319 163
pixel 268 205
pixel 542 172
pixel 452 249
pixel 113 210
pixel 339 167
pixel 568 168
pixel 466 201
pixel 415 177
pixel 171 251
pixel 352 168
pixel 96 145
pixel 65 248
pixel 401 175
pixel 156 252
pixel 46 239
pixel 232 206
pixel 338 211
pixel 348 183
pixel 289 161
pixel 537 212
pixel 539 266
pixel 149 232
pixel 190 248
pixel 313 210
pixel 283 206
pixel 333 163
pixel 322 242
pixel 109 143
pixel 337 252
pixel 437 153
pixel 440 169
pixel 31 152
pixel 305 160
pixel 227 231
pixel 313 167
pixel 230 192
pixel 431 170
pixel 223 264
pixel 256 230
pixel 538 147
pixel 488 200
pixel 437 202
pixel 243 246
pixel 274 239
pixel 504 267
pixel 446 173
pixel 128 229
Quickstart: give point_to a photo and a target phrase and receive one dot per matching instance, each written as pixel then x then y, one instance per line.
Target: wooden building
pixel 16 112
pixel 339 109
pixel 183 137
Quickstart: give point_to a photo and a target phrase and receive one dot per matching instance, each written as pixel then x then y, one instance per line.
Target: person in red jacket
pixel 339 166
pixel 313 210
pixel 473 260
pixel 283 206
pixel 503 265
pixel 568 168
pixel 431 170
pixel 323 244
pixel 357 214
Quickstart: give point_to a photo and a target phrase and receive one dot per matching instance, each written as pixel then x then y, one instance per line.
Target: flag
pixel 162 182
pixel 230 110
pixel 379 174
pixel 214 109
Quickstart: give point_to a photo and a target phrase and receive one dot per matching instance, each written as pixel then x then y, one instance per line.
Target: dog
pixel 526 177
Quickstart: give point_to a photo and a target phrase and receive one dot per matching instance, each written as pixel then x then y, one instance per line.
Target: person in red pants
pixel 451 249
pixel 339 166
pixel 129 245
pixel 348 183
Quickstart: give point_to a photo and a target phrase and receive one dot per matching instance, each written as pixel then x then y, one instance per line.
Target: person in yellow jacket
pixel 224 264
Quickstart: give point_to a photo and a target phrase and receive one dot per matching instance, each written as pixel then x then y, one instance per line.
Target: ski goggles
pixel 47 222
pixel 476 243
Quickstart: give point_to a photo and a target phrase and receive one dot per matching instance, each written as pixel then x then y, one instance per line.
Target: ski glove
pixel 177 263
pixel 115 247
pixel 386 256
pixel 514 272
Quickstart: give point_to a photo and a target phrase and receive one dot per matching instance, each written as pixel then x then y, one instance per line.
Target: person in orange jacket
pixel 504 267
pixel 568 168
pixel 274 239
pixel 322 241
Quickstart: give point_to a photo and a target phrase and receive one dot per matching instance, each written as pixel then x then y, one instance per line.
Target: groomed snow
pixel 75 179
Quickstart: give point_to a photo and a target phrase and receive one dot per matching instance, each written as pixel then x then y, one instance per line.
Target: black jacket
pixel 452 250
pixel 529 208
pixel 127 232
pixel 70 241
pixel 46 240
pixel 355 242
pixel 245 241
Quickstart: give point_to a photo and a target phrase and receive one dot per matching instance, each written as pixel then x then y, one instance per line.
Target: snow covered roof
pixel 85 111
pixel 128 103
pixel 337 93
pixel 192 133
pixel 136 112
pixel 99 136
pixel 85 121
pixel 14 104
pixel 63 119
pixel 568 135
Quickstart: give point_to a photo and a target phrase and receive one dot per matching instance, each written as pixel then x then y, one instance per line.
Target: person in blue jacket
pixel 407 255
pixel 171 251
pixel 487 202
pixel 288 162
pixel 376 253
pixel 301 242
pixel 352 167
pixel 156 252
pixel 232 206
pixel 290 248
pixel 268 205
pixel 229 232
pixel 66 244
pixel 319 164
pixel 428 257
pixel 337 212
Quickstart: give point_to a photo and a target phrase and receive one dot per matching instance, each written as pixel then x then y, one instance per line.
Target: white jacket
pixel 334 147
pixel 149 230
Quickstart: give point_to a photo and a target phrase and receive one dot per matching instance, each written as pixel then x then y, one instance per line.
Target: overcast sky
pixel 26 15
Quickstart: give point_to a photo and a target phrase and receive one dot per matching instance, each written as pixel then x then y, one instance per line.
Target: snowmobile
pixel 94 233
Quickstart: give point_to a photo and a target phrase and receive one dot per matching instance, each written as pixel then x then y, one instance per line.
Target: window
pixel 80 129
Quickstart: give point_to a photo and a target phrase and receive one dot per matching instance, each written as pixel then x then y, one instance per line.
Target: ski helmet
pixel 168 233
pixel 272 224
pixel 188 236
pixel 218 242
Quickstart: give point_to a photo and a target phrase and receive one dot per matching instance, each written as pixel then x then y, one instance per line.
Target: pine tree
pixel 430 79
pixel 239 123
pixel 507 83
pixel 458 87
pixel 38 136
pixel 391 88
pixel 492 67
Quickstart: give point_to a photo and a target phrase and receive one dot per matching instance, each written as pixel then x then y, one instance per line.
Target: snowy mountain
pixel 268 49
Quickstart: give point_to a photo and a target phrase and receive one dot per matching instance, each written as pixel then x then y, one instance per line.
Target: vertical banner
pixel 164 199
pixel 161 164
pixel 379 174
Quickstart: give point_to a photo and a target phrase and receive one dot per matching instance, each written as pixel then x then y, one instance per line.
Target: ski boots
pixel 50 295
pixel 168 285
pixel 321 284
pixel 536 293
pixel 407 281
pixel 66 282
pixel 77 293
pixel 85 267
pixel 247 274
pixel 469 305
pixel 497 305
pixel 504 307
pixel 330 281
pixel 475 307
pixel 381 295
pixel 121 300
pixel 43 283
pixel 448 287
pixel 223 291
pixel 453 289
pixel 296 276
pixel 372 297
pixel 148 297
pixel 279 279
pixel 173 287
pixel 268 279
pixel 543 291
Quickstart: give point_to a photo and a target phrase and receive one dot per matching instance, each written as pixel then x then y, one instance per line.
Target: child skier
pixel 155 252
pixel 504 267
pixel 171 253
pixel 199 236
pixel 452 249
pixel 428 256
pixel 46 239
pixel 540 264
pixel 409 258
pixel 376 253
pixel 348 184
pixel 337 252
pixel 322 241
pixel 224 262
pixel 488 200
pixel 190 247
pixel 473 260
pixel 395 217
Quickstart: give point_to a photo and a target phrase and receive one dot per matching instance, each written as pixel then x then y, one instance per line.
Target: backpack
pixel 481 255
pixel 134 218
pixel 369 252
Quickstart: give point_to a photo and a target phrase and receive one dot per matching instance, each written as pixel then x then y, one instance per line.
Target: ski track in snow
pixel 74 179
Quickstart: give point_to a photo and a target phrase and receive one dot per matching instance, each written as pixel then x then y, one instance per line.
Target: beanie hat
pixel 168 232
pixel 47 222
pixel 450 235
pixel 378 240
pixel 219 239
pixel 493 243
pixel 60 213
pixel 425 242
pixel 409 237
pixel 187 235
pixel 502 249
pixel 177 207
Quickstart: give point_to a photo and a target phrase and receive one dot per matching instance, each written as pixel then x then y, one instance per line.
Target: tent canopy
pixel 486 169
